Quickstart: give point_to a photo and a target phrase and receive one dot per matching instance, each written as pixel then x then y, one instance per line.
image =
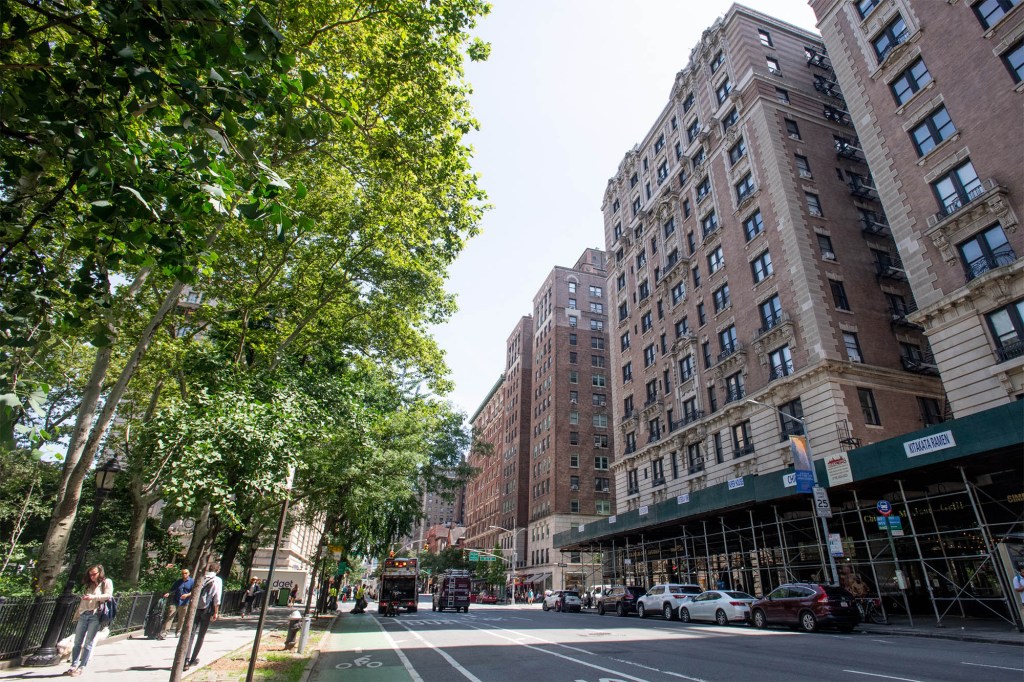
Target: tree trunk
pixel 314 573
pixel 137 532
pixel 199 534
pixel 19 526
pixel 198 565
pixel 231 545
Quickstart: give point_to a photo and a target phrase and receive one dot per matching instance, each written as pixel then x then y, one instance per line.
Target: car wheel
pixel 641 611
pixel 544 607
pixel 620 610
pixel 759 619
pixel 666 611
pixel 808 622
pixel 684 614
pixel 721 618
pixel 433 607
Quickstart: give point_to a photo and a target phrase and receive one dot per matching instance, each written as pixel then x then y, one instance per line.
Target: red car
pixel 486 598
pixel 808 605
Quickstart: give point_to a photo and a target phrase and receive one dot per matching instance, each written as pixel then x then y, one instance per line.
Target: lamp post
pixel 814 478
pixel 515 557
pixel 47 653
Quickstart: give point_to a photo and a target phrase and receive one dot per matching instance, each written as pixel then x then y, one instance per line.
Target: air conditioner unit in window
pixel 828 255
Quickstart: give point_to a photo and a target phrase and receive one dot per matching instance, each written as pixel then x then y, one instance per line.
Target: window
pixel 986 251
pixel 803 167
pixel 715 260
pixel 599 400
pixel 792 129
pixel 989 12
pixel 662 171
pixel 913 78
pixel 825 245
pixel 722 300
pixel 690 412
pixel 574 505
pixel 703 190
pixel 572 287
pixel 602 485
pixel 669 227
pixel 782 96
pixel 573 321
pixel 682 327
pixel 652 391
pixel 1014 61
pixel 737 151
pixel 603 507
pixel 572 304
pixel 694 458
pixel 753 226
pixel 712 399
pixel 935 128
pixel 574 377
pixel 813 204
pixel 765 36
pixel 627 405
pixel 600 421
pixel 596 292
pixel 597 308
pixel 744 188
pixel 771 313
pixel 574 397
pixel 623 311
pixel 597 361
pixel 574 418
pixel 731 119
pixel 892 35
pixel 1007 327
pixel 574 438
pixel 632 482
pixel 717 61
pixel 597 342
pixel 636 206
pixel 761 267
pixel 649 355
pixel 958 188
pixel 596 325
pixel 624 341
pixel 727 340
pixel 839 295
pixel 723 90
pixel 686 368
pixel 620 282
pixel 688 103
pixel 615 206
pixel 697 160
pixel 601 441
pixel 572 358
pixel 693 130
pixel 633 179
pixel 702 318
pixel 780 362
pixel 773 66
pixel 659 144
pixel 791 418
pixel 675 123
pixel 574 460
pixel 852 347
pixel 734 389
pixel 709 223
pixel 696 276
pixel 931 413
pixel 641 260
pixel 658 471
pixel 705 349
pixel 716 441
pixel 678 293
pixel 572 339
pixel 864 7
pixel 646 322
pixel 742 441
pixel 868 407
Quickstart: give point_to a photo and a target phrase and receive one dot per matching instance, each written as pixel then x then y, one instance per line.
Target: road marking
pixel 401 655
pixel 883 641
pixel 888 677
pixel 451 661
pixel 982 665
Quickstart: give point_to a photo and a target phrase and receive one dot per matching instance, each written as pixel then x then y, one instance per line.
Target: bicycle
pixel 871 610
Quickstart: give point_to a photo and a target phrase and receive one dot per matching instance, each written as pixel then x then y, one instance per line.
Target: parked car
pixel 666 599
pixel 622 599
pixel 595 595
pixel 563 600
pixel 721 606
pixel 807 605
pixel 486 598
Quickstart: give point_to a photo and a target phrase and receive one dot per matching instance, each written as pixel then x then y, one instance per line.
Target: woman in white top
pixel 98 589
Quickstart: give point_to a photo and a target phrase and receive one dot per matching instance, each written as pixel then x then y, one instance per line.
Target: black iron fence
pixel 24 620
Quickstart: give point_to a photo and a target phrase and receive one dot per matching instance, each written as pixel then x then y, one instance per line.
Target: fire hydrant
pixel 294 626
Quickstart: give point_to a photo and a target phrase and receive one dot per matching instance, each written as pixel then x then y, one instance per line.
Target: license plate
pixel 844 603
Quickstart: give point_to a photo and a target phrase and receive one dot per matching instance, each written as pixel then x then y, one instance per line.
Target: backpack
pixel 107 612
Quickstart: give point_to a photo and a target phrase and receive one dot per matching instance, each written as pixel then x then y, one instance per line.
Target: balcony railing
pixel 696 465
pixel 863 190
pixel 743 451
pixel 660 480
pixel 874 224
pixel 980 266
pixel 922 363
pixel 792 428
pixel 632 490
pixel 629 414
pixel 1010 350
pixel 771 323
pixel 688 418
pixel 837 116
pixel 890 268
pixel 779 371
pixel 828 87
pixel 654 437
pixel 954 204
pixel 846 149
pixel 728 350
pixel 734 393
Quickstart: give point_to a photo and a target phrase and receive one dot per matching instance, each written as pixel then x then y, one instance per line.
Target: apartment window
pixel 597 308
pixel 687 209
pixel 574 505
pixel 599 400
pixel 598 380
pixel 727 340
pixel 958 188
pixel 742 440
pixel 572 287
pixel 675 464
pixel 765 36
pixel 803 167
pixel 1007 327
pixel 659 144
pixel 574 397
pixel 636 206
pixel 682 327
pixel 646 322
pixel 780 362
pixel 694 457
pixel 573 321
pixel 601 441
pixel 596 325
pixel 701 315
pixel 624 341
pixel 623 311
pixel 717 61
pixel 615 206
pixel 649 355
pixel 782 96
pixel 1014 61
pixel 773 66
pixel 892 35
pixel 761 267
pixel 662 171
pixel 753 226
pixel 641 260
pixel 600 421
pixel 868 407
pixel 632 482
pixel 712 399
pixel 633 180
pixel 852 347
pixel 572 304
pixel 688 102
pixel 574 460
pixel 658 471
pixel 620 282
pixel 734 388
pixel 913 78
pixel 709 223
pixel 792 129
pixel 935 128
pixel 986 251
pixel 597 342
pixel 574 377
pixel 731 119
pixel 572 339
pixel 597 361
pixel 627 405
pixel 723 90
pixel 696 276
pixel 744 188
pixel 686 368
pixel 603 507
pixel 574 438
pixel 675 123
pixel 705 349
pixel 825 245
pixel 716 442
pixel 602 485
pixel 652 391
pixel 989 12
pixel 931 412
pixel 737 151
pixel 596 292
pixel 715 260
pixel 693 130
pixel 572 358
pixel 789 414
pixel 814 204
pixel 839 295
pixel 678 293
pixel 690 409
pixel 697 160
pixel 669 227
pixel 574 418
pixel 722 299
pixel 865 7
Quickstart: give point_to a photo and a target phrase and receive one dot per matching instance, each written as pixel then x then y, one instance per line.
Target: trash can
pixel 294 626
pixel 282 596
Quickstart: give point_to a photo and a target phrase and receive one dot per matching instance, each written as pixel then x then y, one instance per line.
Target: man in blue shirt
pixel 177 603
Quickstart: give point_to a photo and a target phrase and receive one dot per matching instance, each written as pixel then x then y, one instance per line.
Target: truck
pixel 399 584
pixel 452 590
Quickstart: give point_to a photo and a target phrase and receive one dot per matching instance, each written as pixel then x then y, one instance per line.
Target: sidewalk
pixel 145 660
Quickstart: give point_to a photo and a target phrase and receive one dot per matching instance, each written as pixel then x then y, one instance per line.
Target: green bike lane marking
pixel 359 649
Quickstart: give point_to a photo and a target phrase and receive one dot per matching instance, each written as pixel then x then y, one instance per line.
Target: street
pixel 496 643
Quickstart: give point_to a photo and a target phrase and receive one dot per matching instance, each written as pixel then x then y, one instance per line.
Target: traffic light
pixel 391 554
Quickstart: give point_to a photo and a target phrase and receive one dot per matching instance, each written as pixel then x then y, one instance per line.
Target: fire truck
pixel 452 591
pixel 398 584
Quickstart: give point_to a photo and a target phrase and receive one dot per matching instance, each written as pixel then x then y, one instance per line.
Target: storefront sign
pixel 932 443
pixel 735 483
pixel 838 469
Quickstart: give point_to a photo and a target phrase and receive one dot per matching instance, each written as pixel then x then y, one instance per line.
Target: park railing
pixel 24 620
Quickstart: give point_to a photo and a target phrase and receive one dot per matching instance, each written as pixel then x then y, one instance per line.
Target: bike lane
pixel 358 649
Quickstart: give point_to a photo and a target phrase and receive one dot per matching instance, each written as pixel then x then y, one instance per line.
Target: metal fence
pixel 24 620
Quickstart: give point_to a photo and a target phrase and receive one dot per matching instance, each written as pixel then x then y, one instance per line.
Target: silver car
pixel 666 599
pixel 563 600
pixel 720 606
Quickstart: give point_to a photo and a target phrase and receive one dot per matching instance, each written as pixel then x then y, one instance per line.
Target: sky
pixel 569 88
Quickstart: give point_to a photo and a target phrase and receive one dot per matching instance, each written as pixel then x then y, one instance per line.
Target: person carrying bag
pixel 94 607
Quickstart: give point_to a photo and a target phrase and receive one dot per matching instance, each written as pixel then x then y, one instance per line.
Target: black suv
pixel 621 599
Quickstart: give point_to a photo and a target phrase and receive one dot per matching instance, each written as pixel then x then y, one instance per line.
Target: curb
pixel 954 635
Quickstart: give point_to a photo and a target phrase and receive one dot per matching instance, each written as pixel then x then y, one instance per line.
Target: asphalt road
pixel 497 644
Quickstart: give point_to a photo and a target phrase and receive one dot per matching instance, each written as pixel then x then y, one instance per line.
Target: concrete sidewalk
pixel 139 659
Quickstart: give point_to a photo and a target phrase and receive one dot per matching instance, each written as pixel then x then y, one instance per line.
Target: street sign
pixel 562 565
pixel 896 526
pixel 835 544
pixel 821 504
pixel 884 507
pixel 488 558
pixel 474 556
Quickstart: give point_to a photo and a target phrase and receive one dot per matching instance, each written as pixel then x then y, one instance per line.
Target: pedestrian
pixel 206 613
pixel 332 597
pixel 1018 586
pixel 250 595
pixel 529 596
pixel 360 606
pixel 177 603
pixel 293 595
pixel 98 590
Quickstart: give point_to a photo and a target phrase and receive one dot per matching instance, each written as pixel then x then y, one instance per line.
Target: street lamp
pixel 814 478
pixel 515 556
pixel 47 653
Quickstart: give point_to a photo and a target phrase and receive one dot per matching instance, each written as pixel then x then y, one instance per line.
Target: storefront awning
pixel 538 577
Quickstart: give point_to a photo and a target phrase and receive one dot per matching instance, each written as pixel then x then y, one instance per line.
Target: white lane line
pixel 1000 667
pixel 494 631
pixel 883 641
pixel 888 677
pixel 401 655
pixel 451 661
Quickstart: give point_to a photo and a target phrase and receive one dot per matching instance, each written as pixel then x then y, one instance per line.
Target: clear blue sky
pixel 570 87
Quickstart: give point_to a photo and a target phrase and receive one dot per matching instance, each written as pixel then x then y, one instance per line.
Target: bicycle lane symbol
pixel 361 662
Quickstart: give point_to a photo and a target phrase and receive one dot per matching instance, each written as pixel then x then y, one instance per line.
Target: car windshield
pixel 572 594
pixel 686 589
pixel 740 595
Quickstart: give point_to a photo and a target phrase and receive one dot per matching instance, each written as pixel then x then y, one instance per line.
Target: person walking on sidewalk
pixel 177 603
pixel 251 593
pixel 98 590
pixel 1018 587
pixel 209 607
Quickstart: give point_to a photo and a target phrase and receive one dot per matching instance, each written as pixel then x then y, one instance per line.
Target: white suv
pixel 666 599
pixel 563 600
